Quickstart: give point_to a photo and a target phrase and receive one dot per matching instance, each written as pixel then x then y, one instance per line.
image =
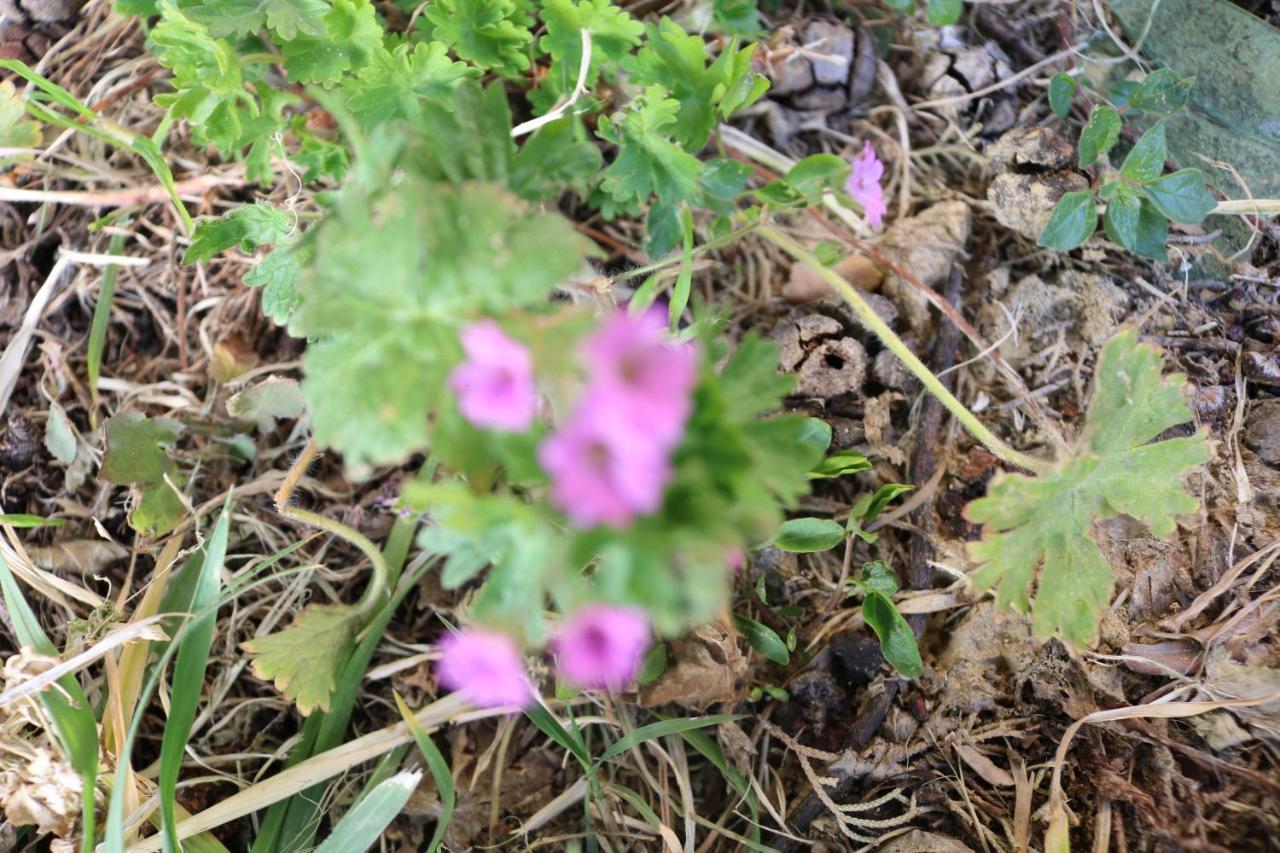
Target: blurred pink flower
pixel 645 378
pixel 735 559
pixel 601 474
pixel 602 647
pixel 486 668
pixel 864 185
pixel 494 386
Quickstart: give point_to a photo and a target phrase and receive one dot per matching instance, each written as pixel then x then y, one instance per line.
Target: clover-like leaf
pixel 1046 522
pixel 136 447
pixel 303 659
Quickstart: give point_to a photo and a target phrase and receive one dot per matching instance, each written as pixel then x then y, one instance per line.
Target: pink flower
pixel 644 378
pixel 864 185
pixel 486 668
pixel 494 385
pixel 602 646
pixel 735 559
pixel 601 474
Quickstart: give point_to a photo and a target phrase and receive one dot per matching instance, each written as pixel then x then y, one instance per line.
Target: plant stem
pixel 895 344
pixel 373 593
pixel 677 257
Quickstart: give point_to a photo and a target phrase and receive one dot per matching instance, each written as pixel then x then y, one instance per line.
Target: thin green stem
pixel 677 257
pixel 377 587
pixel 887 336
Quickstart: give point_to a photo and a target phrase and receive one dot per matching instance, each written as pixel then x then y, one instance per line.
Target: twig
pixel 579 89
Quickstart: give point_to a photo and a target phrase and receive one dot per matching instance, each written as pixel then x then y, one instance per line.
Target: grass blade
pixel 102 317
pixel 290 825
pixel 188 675
pixel 362 826
pixel 661 729
pixel 72 716
pixel 440 772
pixel 550 726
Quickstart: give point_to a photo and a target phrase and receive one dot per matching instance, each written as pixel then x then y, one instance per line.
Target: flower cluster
pixel 609 462
pixel 864 185
pixel 599 647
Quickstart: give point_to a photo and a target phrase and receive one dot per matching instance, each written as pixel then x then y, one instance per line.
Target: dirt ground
pixel 962 758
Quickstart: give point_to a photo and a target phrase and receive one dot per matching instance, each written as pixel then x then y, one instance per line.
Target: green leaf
pixel 387 342
pixel 441 773
pixel 736 17
pixel 273 399
pixel 869 507
pixel 1146 160
pixel 59 437
pixel 277 274
pixel 1135 224
pixel 248 227
pixel 195 643
pixel 158 509
pixel 15 130
pixel 24 519
pixel 1181 196
pixel 209 83
pixel 840 463
pixel 817 173
pixel 303 660
pixel 897 640
pixel 943 13
pixel 807 535
pixel 554 159
pixel 754 385
pixel 1074 219
pixel 245 17
pixel 136 447
pixel 1121 219
pixel 676 63
pixel 648 162
pixel 350 36
pixel 901 5
pixel 1048 522
pixel 816 434
pixel 405 83
pixel 763 639
pixel 571 742
pixel 1062 87
pixel 878 577
pixel 613 35
pixel 483 32
pixel 655 663
pixel 362 826
pixel 1163 91
pixel 1099 135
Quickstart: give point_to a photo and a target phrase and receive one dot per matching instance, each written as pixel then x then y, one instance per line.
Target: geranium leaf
pixel 303 659
pixel 1047 522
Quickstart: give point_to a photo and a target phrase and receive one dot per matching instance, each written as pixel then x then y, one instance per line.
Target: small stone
pixel 1029 148
pixel 835 367
pixel 830 47
pixel 1262 431
pixel 890 372
pixel 858 657
pixel 819 695
pixel 804 285
pixel 814 326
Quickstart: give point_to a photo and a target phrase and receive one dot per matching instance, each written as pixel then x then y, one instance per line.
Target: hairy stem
pixel 887 336
pixel 377 587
